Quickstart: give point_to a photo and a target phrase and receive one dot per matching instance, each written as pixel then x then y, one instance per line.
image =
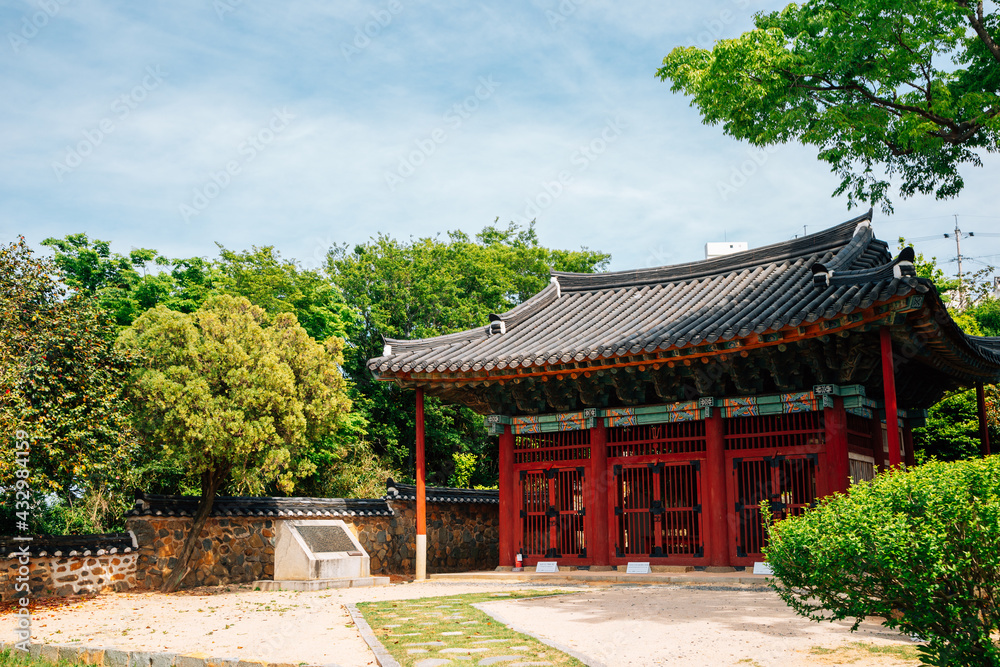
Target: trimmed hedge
pixel 921 549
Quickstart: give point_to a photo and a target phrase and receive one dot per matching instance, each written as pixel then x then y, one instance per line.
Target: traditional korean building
pixel 644 415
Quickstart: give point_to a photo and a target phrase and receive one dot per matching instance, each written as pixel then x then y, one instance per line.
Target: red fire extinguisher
pixel 519 562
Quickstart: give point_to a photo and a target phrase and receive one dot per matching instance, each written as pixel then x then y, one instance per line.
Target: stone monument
pixel 315 554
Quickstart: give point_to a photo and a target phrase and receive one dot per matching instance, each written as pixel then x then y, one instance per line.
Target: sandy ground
pixel 615 626
pixel 291 627
pixel 687 626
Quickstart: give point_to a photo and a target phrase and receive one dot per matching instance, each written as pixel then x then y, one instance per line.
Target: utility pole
pixel 958 248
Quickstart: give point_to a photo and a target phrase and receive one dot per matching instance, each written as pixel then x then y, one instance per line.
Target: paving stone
pixel 437 643
pixel 452 634
pixel 432 662
pixel 518 648
pixel 91 656
pixel 468 622
pixel 115 658
pixel 412 651
pixel 406 634
pixel 220 662
pixel 139 659
pixel 49 652
pixel 528 664
pixel 394 625
pixel 69 653
pixel 463 650
pixel 499 658
pixel 181 661
pixel 35 651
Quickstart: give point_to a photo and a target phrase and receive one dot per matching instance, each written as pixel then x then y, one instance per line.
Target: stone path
pixel 422 633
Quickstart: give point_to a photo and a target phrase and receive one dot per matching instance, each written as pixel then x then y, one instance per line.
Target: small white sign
pixel 547 566
pixel 762 568
pixel 638 568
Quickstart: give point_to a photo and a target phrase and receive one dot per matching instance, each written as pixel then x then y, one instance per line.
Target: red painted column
pixel 984 431
pixel 717 511
pixel 508 499
pixel 600 484
pixel 421 565
pixel 891 410
pixel 908 446
pixel 838 465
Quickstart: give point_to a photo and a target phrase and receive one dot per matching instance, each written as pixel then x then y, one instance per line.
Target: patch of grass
pixel 415 630
pixel 9 658
pixel 855 651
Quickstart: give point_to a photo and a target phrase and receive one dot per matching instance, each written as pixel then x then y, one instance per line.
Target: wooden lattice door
pixel 657 510
pixel 553 513
pixel 788 483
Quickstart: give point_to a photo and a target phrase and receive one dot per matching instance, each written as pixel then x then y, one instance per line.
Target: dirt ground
pixel 691 626
pixel 649 625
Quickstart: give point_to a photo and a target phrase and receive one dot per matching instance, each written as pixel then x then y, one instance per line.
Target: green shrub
pixel 921 549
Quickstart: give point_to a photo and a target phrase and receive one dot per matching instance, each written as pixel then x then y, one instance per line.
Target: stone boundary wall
pixel 68 575
pixel 64 565
pixel 460 537
pixel 101 656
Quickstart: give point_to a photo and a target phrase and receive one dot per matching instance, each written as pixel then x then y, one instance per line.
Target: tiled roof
pixel 439 494
pixel 608 318
pixel 264 506
pixel 69 545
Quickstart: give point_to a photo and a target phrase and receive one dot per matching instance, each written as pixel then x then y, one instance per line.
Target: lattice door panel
pixel 658 510
pixel 534 517
pixel 787 483
pixel 553 513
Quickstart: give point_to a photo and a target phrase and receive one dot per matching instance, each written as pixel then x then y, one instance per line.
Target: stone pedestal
pixel 318 554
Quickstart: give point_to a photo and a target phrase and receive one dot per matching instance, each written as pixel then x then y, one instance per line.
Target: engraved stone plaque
pixel 324 539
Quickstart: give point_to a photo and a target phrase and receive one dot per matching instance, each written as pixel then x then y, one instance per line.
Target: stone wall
pixel 67 575
pixel 460 536
pixel 235 550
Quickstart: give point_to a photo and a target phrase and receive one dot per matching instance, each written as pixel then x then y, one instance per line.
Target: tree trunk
pixel 210 481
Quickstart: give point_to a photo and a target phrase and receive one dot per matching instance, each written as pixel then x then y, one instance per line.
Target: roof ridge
pixel 826 239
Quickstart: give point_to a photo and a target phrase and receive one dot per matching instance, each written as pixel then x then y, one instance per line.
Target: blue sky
pixel 176 125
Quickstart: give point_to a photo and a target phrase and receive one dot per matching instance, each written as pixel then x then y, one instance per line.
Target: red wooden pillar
pixel 838 465
pixel 908 445
pixel 984 431
pixel 421 565
pixel 891 410
pixel 718 513
pixel 600 485
pixel 508 499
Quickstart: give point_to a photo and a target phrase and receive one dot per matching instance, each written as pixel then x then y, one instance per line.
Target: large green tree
pixel 130 285
pixel 882 88
pixel 431 286
pixel 61 384
pixel 233 396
